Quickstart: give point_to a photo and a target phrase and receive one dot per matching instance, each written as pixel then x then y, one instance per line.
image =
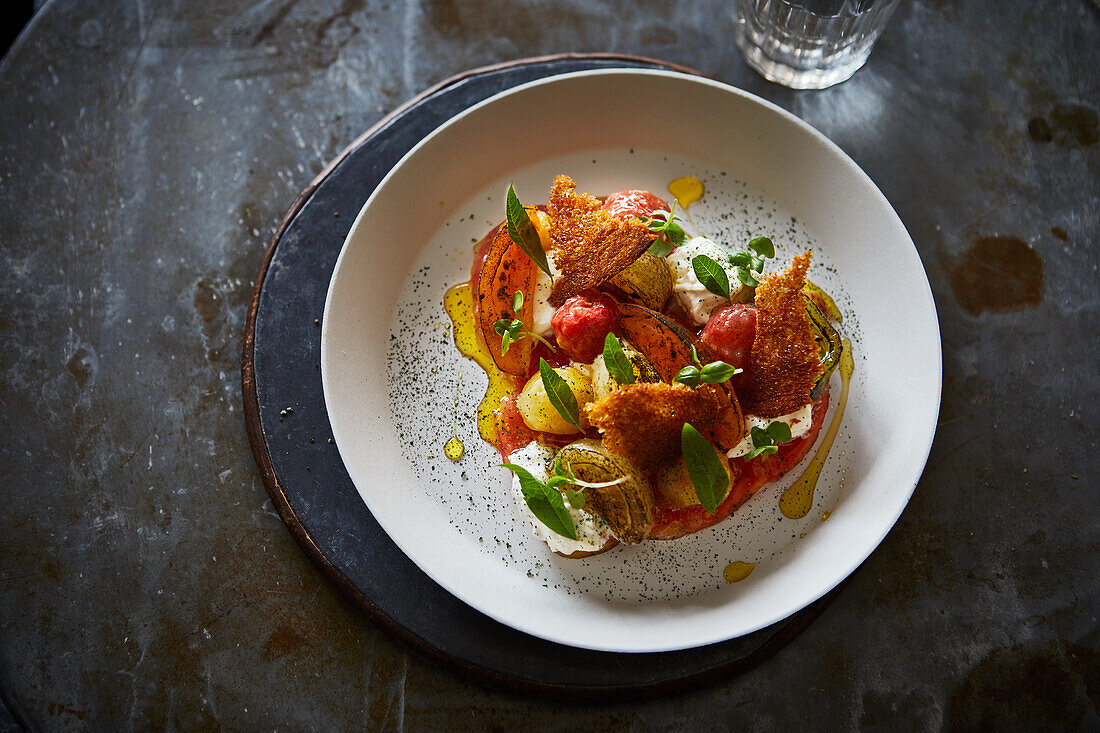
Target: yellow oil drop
pixel 454 448
pixel 458 301
pixel 797 500
pixel 687 190
pixel 737 571
pixel 826 514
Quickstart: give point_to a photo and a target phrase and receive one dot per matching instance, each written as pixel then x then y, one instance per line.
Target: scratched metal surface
pixel 146 154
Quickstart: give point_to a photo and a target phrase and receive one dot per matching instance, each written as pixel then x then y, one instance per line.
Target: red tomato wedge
pixel 506 269
pixel 634 202
pixel 667 345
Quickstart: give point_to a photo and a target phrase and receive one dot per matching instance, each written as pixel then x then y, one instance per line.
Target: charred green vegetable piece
pixel 627 505
pixel 828 342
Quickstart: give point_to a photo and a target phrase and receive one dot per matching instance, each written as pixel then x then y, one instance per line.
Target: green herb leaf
pixel 762 450
pixel 780 432
pixel 695 356
pixel 505 342
pixel 711 275
pixel 767 439
pixel 517 301
pixel 616 360
pixel 576 498
pixel 545 503
pixel 746 277
pixel 668 230
pixel 660 248
pixel 559 394
pixel 689 375
pixel 523 232
pixel 741 258
pixel 501 326
pixel 762 246
pixel 705 467
pixel 515 329
pixel 717 372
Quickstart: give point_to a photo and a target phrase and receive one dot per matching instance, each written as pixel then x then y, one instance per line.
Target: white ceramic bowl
pixel 396 389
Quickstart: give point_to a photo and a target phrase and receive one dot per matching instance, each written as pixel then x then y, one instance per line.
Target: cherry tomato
pixel 582 323
pixel 730 332
pixel 632 202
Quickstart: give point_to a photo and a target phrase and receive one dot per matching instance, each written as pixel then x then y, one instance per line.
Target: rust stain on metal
pixel 997 274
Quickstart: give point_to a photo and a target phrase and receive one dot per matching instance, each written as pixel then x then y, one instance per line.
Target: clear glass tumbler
pixel 810 44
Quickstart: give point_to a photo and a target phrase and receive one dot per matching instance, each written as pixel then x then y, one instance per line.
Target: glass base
pixel 793 77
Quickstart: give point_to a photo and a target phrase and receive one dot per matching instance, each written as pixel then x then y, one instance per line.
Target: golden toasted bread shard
pixel 784 362
pixel 643 421
pixel 590 246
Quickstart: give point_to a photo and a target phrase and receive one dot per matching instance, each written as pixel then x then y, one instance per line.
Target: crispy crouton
pixel 784 361
pixel 589 245
pixel 643 421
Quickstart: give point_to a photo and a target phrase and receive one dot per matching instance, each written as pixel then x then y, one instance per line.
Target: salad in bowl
pixel 643 382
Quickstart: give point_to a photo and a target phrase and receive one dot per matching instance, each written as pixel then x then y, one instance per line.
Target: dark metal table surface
pixel 148 150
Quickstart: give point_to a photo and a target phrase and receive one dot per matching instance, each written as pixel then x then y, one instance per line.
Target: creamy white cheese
pixel 693 297
pixel 542 312
pixel 799 422
pixel 592 532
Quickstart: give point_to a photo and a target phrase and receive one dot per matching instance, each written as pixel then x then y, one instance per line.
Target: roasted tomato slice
pixel 506 269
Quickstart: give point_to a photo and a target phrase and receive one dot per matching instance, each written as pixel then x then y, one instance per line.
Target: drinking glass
pixel 810 44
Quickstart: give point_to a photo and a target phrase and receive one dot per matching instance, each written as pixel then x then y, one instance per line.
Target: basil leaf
pixel 760 437
pixel 501 326
pixel 523 232
pixel 746 277
pixel 711 275
pixel 689 375
pixel 675 234
pixel 705 468
pixel 741 258
pixel 517 301
pixel 615 359
pixel 762 450
pixel 762 246
pixel 660 248
pixel 559 394
pixel 544 502
pixel 515 329
pixel 717 372
pixel 576 498
pixel 505 343
pixel 779 431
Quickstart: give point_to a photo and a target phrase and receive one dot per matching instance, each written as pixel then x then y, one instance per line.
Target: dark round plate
pixel 289 432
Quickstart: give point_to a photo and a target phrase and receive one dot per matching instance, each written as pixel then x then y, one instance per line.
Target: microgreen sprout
pixel 670 234
pixel 511 330
pixel 697 373
pixel 750 262
pixel 767 440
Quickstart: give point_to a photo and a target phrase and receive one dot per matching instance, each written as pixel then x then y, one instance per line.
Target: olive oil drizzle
pixel 687 190
pixel 797 500
pixel 454 448
pixel 737 571
pixel 458 301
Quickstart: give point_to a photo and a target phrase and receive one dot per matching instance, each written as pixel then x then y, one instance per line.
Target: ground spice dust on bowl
pixel 672 325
